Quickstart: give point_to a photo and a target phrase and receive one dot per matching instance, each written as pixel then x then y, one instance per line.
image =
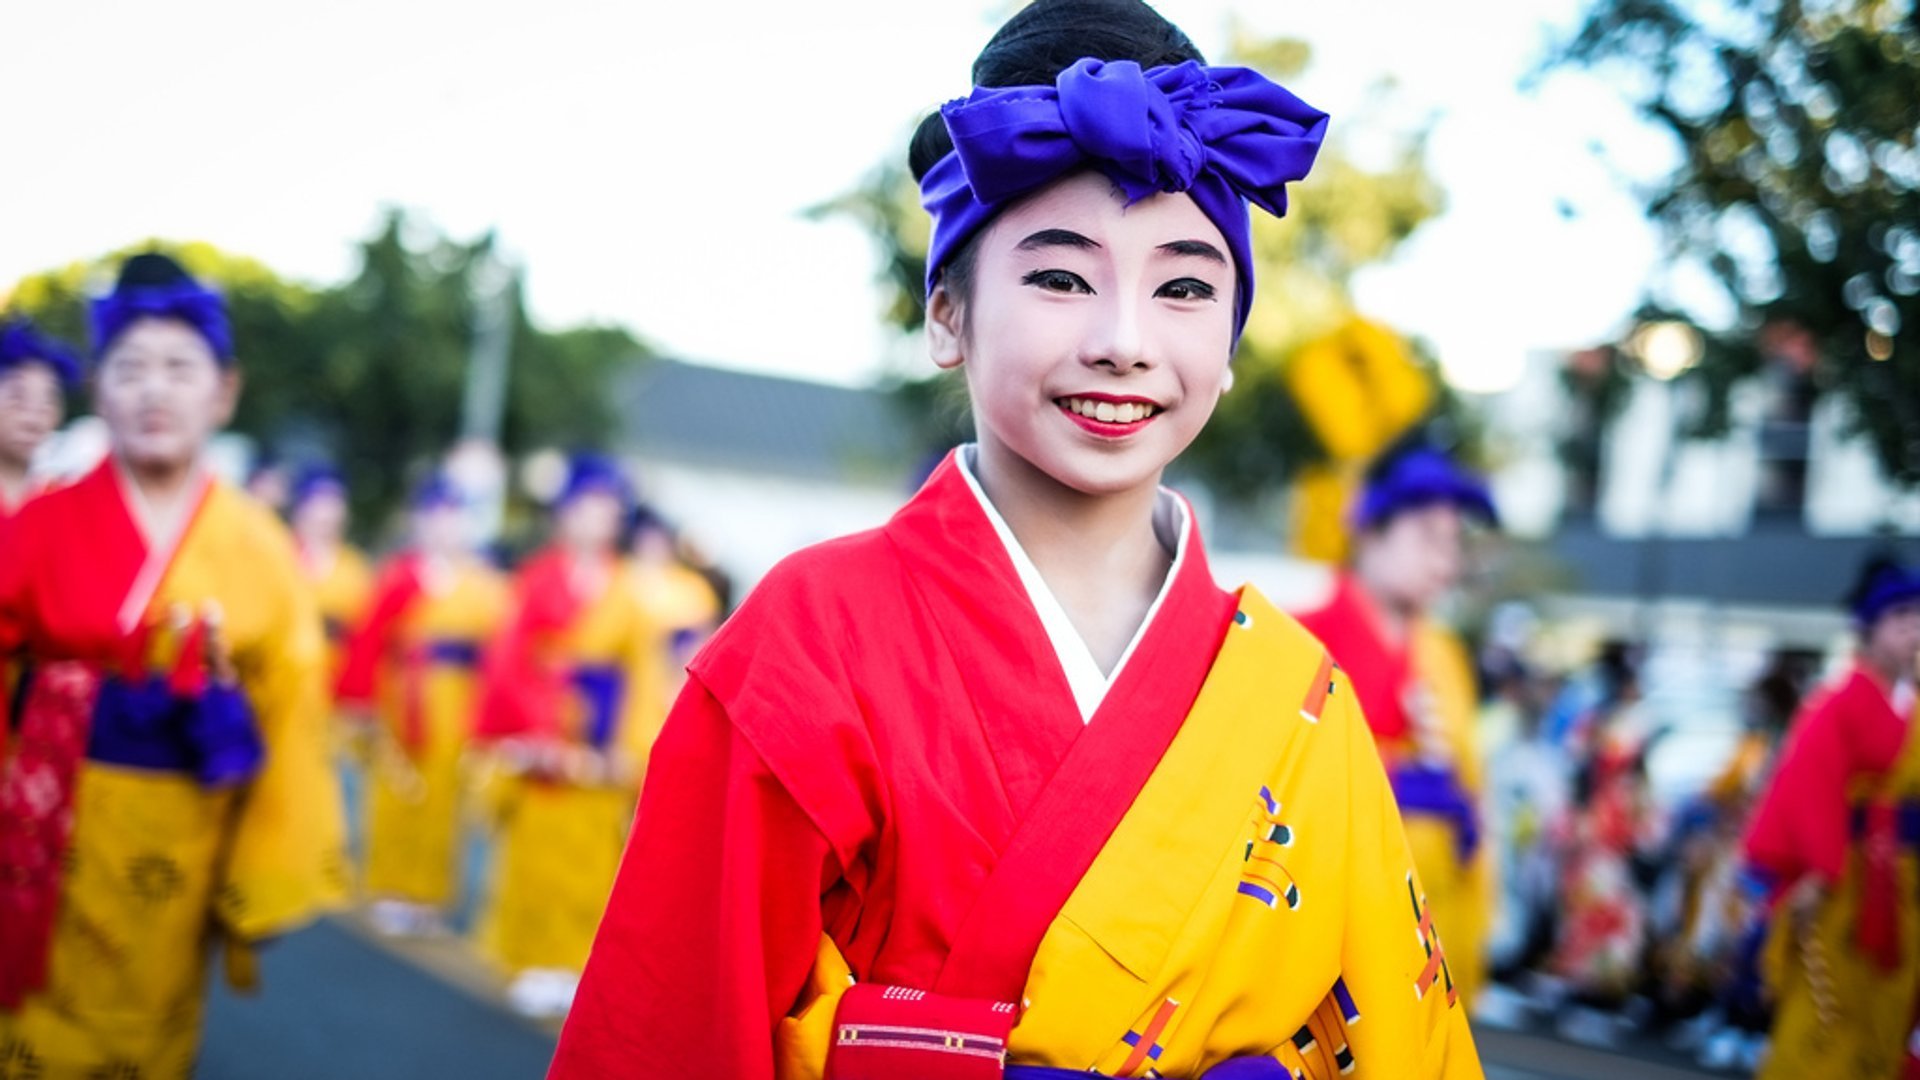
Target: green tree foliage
pixel 1798 184
pixel 1347 216
pixel 369 373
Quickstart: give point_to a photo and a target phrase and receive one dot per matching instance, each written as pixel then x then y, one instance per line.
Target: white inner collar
pixel 1172 521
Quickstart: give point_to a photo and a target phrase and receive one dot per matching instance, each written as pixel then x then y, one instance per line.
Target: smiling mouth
pixel 1109 412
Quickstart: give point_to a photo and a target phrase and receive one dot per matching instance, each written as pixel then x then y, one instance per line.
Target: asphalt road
pixel 340 1003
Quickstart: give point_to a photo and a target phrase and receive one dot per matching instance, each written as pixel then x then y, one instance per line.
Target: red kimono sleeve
pixel 715 919
pixel 1800 826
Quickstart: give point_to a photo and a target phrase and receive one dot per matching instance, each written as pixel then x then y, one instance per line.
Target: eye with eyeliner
pixel 1060 281
pixel 1186 289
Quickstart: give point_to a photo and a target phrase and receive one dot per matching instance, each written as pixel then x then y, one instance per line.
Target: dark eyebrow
pixel 1047 238
pixel 1196 248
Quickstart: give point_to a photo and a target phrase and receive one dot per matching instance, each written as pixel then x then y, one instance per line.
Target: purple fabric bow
pixel 197 306
pixel 1226 136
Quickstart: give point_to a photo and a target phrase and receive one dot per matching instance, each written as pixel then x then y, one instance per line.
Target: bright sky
pixel 648 163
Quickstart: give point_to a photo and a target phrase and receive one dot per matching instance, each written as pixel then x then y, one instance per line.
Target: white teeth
pixel 1108 412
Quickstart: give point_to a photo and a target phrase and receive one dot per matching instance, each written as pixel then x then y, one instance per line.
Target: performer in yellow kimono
pixel 567 684
pixel 1013 765
pixel 170 788
pixel 681 609
pixel 1416 682
pixel 414 662
pixel 341 579
pixel 1835 834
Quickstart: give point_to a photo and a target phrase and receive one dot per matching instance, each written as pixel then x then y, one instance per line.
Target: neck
pixel 1097 553
pixel 162 488
pixel 1394 618
pixel 13 481
pixel 1885 671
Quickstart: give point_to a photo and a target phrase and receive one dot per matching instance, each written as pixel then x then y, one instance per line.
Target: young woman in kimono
pixel 35 373
pixel 414 665
pixel 1416 682
pixel 1009 786
pixel 169 788
pixel 564 741
pixel 1836 835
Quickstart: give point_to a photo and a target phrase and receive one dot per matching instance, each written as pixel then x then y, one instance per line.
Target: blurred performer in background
pixel 341 579
pixel 414 664
pixel 35 373
pixel 565 742
pixel 1416 681
pixel 1836 833
pixel 170 787
pixel 682 611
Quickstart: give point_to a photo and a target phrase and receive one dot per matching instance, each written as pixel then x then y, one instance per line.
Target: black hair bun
pixel 1049 36
pixel 150 269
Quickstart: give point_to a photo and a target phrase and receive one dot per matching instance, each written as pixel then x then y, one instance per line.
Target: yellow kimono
pixel 421 650
pixel 675 599
pixel 1259 882
pixel 1844 1007
pixel 159 864
pixel 342 587
pixel 560 779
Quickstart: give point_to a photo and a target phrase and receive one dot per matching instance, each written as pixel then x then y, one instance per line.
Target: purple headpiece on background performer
pixel 316 480
pixel 1421 476
pixel 595 474
pixel 21 343
pixel 1884 585
pixel 437 492
pixel 153 286
pixel 1227 136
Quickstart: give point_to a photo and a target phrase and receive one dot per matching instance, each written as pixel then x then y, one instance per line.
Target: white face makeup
pixel 31 407
pixel 163 394
pixel 1097 334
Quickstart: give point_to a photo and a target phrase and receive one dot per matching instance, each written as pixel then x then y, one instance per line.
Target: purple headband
pixel 1226 136
pixel 1890 588
pixel 1423 477
pixel 595 474
pixel 192 303
pixel 318 480
pixel 20 343
pixel 437 492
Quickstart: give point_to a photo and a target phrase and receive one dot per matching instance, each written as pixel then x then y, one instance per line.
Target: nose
pixel 1116 342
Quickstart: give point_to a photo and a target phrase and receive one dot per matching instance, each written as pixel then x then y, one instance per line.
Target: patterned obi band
pixel 1430 791
pixel 601 688
pixel 1906 816
pixel 1240 1068
pixel 210 736
pixel 453 652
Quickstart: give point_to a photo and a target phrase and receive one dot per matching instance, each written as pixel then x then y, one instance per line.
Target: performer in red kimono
pixel 1009 786
pixel 1836 833
pixel 169 790
pixel 35 372
pixel 1415 680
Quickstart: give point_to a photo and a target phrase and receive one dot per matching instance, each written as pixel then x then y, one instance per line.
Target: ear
pixel 228 396
pixel 945 321
pixel 1226 380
